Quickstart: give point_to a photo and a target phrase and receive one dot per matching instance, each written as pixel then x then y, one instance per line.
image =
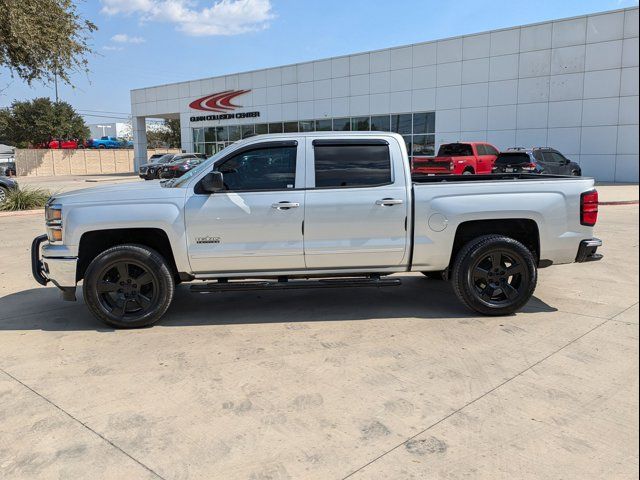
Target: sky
pixel 141 43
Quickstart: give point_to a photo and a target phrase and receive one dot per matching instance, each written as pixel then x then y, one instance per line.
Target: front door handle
pixel 387 202
pixel 285 205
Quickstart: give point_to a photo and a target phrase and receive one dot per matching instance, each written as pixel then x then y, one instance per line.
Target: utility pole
pixel 55 82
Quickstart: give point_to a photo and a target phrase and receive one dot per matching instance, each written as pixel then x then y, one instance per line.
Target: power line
pixel 103 111
pixel 105 116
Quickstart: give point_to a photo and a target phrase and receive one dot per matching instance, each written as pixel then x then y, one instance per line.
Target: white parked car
pixel 312 210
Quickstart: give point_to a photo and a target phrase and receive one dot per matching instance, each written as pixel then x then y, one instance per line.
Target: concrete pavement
pixel 351 383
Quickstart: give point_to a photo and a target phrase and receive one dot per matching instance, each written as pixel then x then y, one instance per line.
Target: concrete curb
pixel 22 213
pixel 620 202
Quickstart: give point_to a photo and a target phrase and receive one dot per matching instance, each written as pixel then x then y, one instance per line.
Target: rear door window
pixel 551 158
pixel 491 150
pixel 455 150
pixel 352 165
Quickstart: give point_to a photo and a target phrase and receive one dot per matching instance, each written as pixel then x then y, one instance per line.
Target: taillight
pixel 529 168
pixel 451 166
pixel 589 208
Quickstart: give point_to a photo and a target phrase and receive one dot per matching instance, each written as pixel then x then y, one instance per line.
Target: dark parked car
pixel 181 164
pixel 149 171
pixel 542 160
pixel 6 184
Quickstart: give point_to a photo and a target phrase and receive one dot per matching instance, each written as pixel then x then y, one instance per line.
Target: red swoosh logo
pixel 218 102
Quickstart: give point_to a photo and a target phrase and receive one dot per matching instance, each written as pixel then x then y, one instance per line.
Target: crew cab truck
pixel 460 158
pixel 306 210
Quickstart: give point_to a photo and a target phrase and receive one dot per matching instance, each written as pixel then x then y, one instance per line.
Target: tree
pixel 42 39
pixel 5 115
pixel 41 120
pixel 166 135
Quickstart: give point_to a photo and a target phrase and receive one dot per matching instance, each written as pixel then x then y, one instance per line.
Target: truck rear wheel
pixel 494 275
pixel 128 286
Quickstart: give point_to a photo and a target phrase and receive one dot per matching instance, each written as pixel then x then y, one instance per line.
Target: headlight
pixel 53 214
pixel 53 218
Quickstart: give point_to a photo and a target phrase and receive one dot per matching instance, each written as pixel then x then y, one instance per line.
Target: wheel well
pixel 94 243
pixel 469 168
pixel 521 229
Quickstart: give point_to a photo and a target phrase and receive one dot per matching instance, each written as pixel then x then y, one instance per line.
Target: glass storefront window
pixel 290 127
pixel 222 134
pixel 198 135
pixel 407 141
pixel 417 130
pixel 247 131
pixel 306 125
pixel 323 125
pixel 360 124
pixel 381 123
pixel 341 124
pixel 234 133
pixel 423 145
pixel 424 122
pixel 210 134
pixel 275 127
pixel 401 124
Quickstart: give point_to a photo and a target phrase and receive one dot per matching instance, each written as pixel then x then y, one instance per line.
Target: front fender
pixel 166 216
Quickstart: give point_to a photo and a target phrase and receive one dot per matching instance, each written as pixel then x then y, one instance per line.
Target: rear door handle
pixel 285 205
pixel 387 202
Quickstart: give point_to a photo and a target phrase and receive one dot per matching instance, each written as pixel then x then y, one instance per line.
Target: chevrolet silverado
pixel 307 210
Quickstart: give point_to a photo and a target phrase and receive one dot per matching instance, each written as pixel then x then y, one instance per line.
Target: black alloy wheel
pixel 494 275
pixel 128 286
pixel 127 289
pixel 498 276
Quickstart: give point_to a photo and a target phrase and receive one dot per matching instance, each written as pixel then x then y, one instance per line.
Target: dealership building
pixel 571 84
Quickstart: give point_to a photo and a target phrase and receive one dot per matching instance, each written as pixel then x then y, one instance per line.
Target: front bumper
pixel 61 271
pixel 587 250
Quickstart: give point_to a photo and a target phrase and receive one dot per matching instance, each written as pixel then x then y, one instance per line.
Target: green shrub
pixel 25 199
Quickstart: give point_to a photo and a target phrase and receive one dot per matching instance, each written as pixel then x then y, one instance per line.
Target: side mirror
pixel 212 182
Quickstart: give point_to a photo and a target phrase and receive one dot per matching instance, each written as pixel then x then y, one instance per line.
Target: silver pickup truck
pixel 312 210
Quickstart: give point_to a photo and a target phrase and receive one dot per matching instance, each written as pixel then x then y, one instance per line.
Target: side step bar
pixel 224 286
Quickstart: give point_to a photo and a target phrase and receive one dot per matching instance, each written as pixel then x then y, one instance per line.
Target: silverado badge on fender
pixel 208 239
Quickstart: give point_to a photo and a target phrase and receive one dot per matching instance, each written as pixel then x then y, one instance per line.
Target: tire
pixel 576 173
pixel 481 279
pixel 468 172
pixel 433 275
pixel 128 286
pixel 3 194
pixel 101 147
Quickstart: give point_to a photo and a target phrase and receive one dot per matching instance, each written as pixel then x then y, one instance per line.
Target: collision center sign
pixel 221 104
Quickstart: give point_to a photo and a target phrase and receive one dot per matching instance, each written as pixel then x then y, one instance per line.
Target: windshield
pixel 455 150
pixel 513 158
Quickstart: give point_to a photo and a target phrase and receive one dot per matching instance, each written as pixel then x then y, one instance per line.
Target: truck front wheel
pixel 494 275
pixel 128 286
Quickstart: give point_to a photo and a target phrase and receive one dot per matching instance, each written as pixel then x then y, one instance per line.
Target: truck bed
pixel 422 178
pixel 442 203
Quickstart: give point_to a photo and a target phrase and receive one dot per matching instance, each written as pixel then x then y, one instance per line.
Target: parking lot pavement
pixel 327 384
pixel 65 183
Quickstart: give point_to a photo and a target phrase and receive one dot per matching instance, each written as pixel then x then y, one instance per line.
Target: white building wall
pixel 571 84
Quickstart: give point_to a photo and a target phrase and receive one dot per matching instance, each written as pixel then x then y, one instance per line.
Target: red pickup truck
pixel 462 158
